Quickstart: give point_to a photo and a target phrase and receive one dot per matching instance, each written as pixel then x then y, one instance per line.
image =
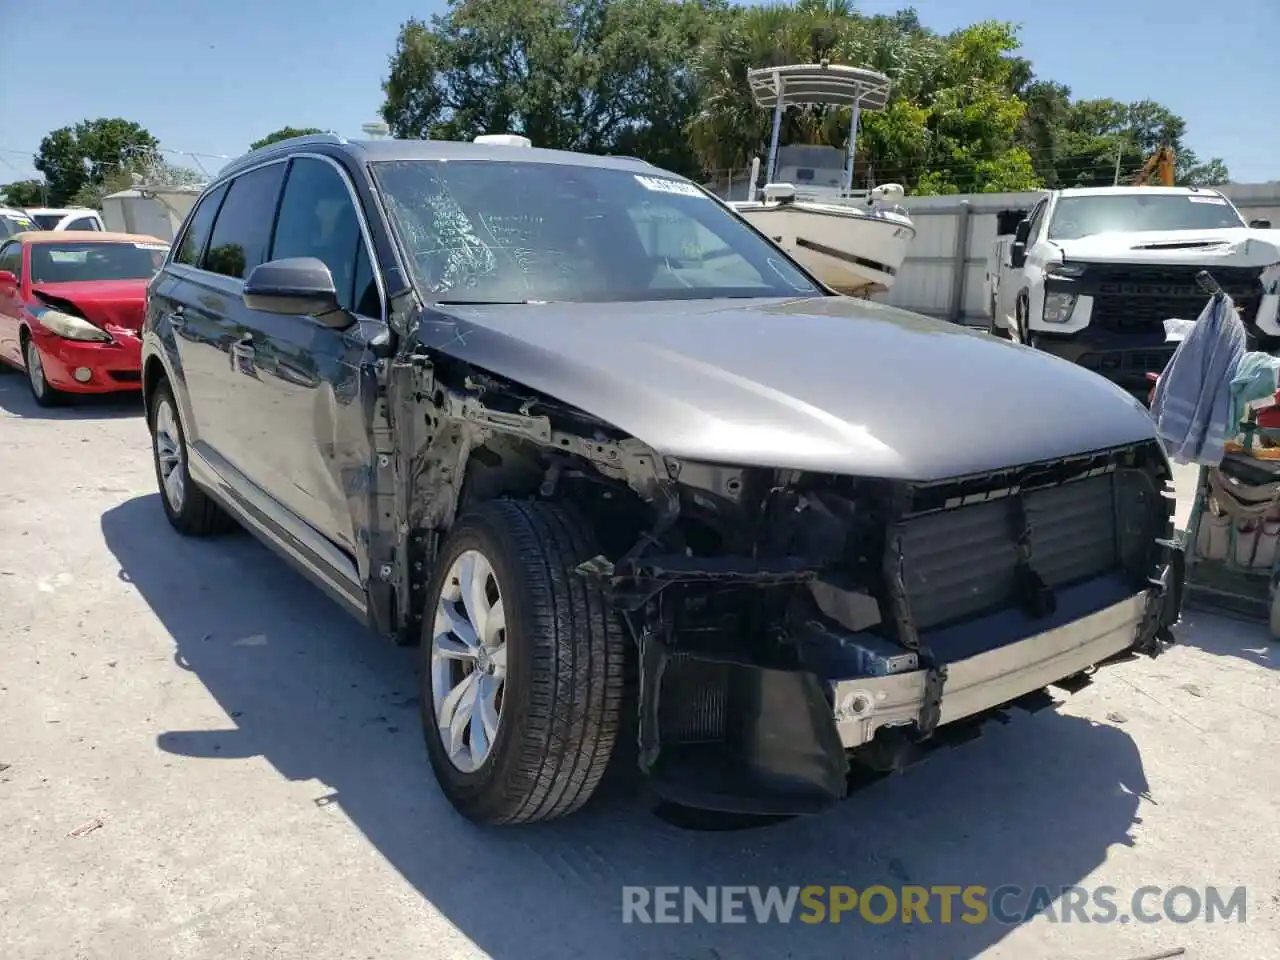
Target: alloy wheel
pixel 35 371
pixel 170 456
pixel 469 660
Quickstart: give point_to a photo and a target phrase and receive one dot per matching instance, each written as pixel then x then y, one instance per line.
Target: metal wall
pixel 945 271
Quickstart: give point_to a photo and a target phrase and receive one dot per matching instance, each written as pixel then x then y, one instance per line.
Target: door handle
pixel 242 356
pixel 177 318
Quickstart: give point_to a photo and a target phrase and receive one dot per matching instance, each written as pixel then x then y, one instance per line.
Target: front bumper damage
pixel 774 724
pixel 993 678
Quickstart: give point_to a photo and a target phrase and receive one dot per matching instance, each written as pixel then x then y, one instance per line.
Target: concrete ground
pixel 201 757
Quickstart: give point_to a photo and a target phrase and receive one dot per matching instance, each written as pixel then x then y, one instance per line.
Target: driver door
pixel 309 377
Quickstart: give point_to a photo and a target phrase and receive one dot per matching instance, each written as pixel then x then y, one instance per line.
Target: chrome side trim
pixel 864 705
pixel 324 563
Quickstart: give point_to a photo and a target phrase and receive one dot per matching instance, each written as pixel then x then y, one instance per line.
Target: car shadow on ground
pixel 1038 801
pixel 1227 636
pixel 16 399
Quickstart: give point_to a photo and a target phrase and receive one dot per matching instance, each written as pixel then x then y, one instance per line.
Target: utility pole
pixel 1119 147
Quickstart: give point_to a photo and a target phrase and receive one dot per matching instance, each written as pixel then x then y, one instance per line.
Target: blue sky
pixel 209 78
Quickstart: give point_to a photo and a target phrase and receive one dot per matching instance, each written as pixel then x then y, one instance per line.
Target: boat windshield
pixel 1076 217
pixel 486 231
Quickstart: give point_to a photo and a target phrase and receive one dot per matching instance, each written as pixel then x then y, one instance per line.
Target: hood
pixel 1234 247
pixel 109 304
pixel 826 384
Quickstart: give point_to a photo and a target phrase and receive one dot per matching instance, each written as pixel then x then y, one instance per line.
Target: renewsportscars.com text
pixel 971 904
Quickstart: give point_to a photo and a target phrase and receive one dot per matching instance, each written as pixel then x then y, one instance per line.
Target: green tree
pixel 73 157
pixel 1090 143
pixel 1043 125
pixel 952 121
pixel 666 80
pixel 23 193
pixel 284 133
pixel 1192 172
pixel 601 76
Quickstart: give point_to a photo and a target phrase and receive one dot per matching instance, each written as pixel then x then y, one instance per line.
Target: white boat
pixel 855 241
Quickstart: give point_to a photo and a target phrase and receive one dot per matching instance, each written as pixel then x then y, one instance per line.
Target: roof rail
pixel 251 156
pixel 307 138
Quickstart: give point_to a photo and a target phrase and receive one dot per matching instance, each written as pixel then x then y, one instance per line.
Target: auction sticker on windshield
pixel 663 185
pixel 153 246
pixel 1218 200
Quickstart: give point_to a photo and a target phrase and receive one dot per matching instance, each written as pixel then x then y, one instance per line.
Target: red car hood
pixel 108 304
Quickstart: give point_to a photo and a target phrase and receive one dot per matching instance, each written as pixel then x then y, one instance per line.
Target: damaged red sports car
pixel 71 306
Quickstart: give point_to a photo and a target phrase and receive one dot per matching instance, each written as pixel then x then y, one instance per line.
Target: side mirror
pixel 1018 253
pixel 1260 224
pixel 8 282
pixel 298 287
pixel 1023 232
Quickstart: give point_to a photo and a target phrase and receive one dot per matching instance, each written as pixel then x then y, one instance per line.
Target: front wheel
pixel 1023 315
pixel 522 673
pixel 45 395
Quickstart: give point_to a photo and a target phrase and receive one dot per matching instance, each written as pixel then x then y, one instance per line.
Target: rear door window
pixel 84 223
pixel 243 227
pixel 193 241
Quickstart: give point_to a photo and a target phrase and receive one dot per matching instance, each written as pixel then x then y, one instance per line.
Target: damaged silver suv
pixel 633 479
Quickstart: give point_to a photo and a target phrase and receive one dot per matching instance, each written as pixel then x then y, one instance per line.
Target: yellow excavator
pixel 1160 163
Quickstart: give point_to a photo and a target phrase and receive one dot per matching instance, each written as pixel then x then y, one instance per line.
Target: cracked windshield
pixel 480 231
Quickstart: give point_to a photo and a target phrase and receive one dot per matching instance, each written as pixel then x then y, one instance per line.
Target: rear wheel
pixel 44 394
pixel 189 509
pixel 522 673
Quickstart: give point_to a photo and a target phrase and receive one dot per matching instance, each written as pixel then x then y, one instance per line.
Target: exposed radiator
pixel 960 563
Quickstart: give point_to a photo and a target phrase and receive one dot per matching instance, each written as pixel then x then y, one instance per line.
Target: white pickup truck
pixel 66 218
pixel 1092 273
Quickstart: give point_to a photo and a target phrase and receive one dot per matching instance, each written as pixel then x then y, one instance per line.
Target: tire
pixel 997 331
pixel 44 395
pixel 192 512
pixel 563 650
pixel 1020 313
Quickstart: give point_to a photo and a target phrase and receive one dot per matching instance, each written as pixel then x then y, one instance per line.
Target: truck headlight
pixel 72 328
pixel 1058 307
pixel 1065 270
